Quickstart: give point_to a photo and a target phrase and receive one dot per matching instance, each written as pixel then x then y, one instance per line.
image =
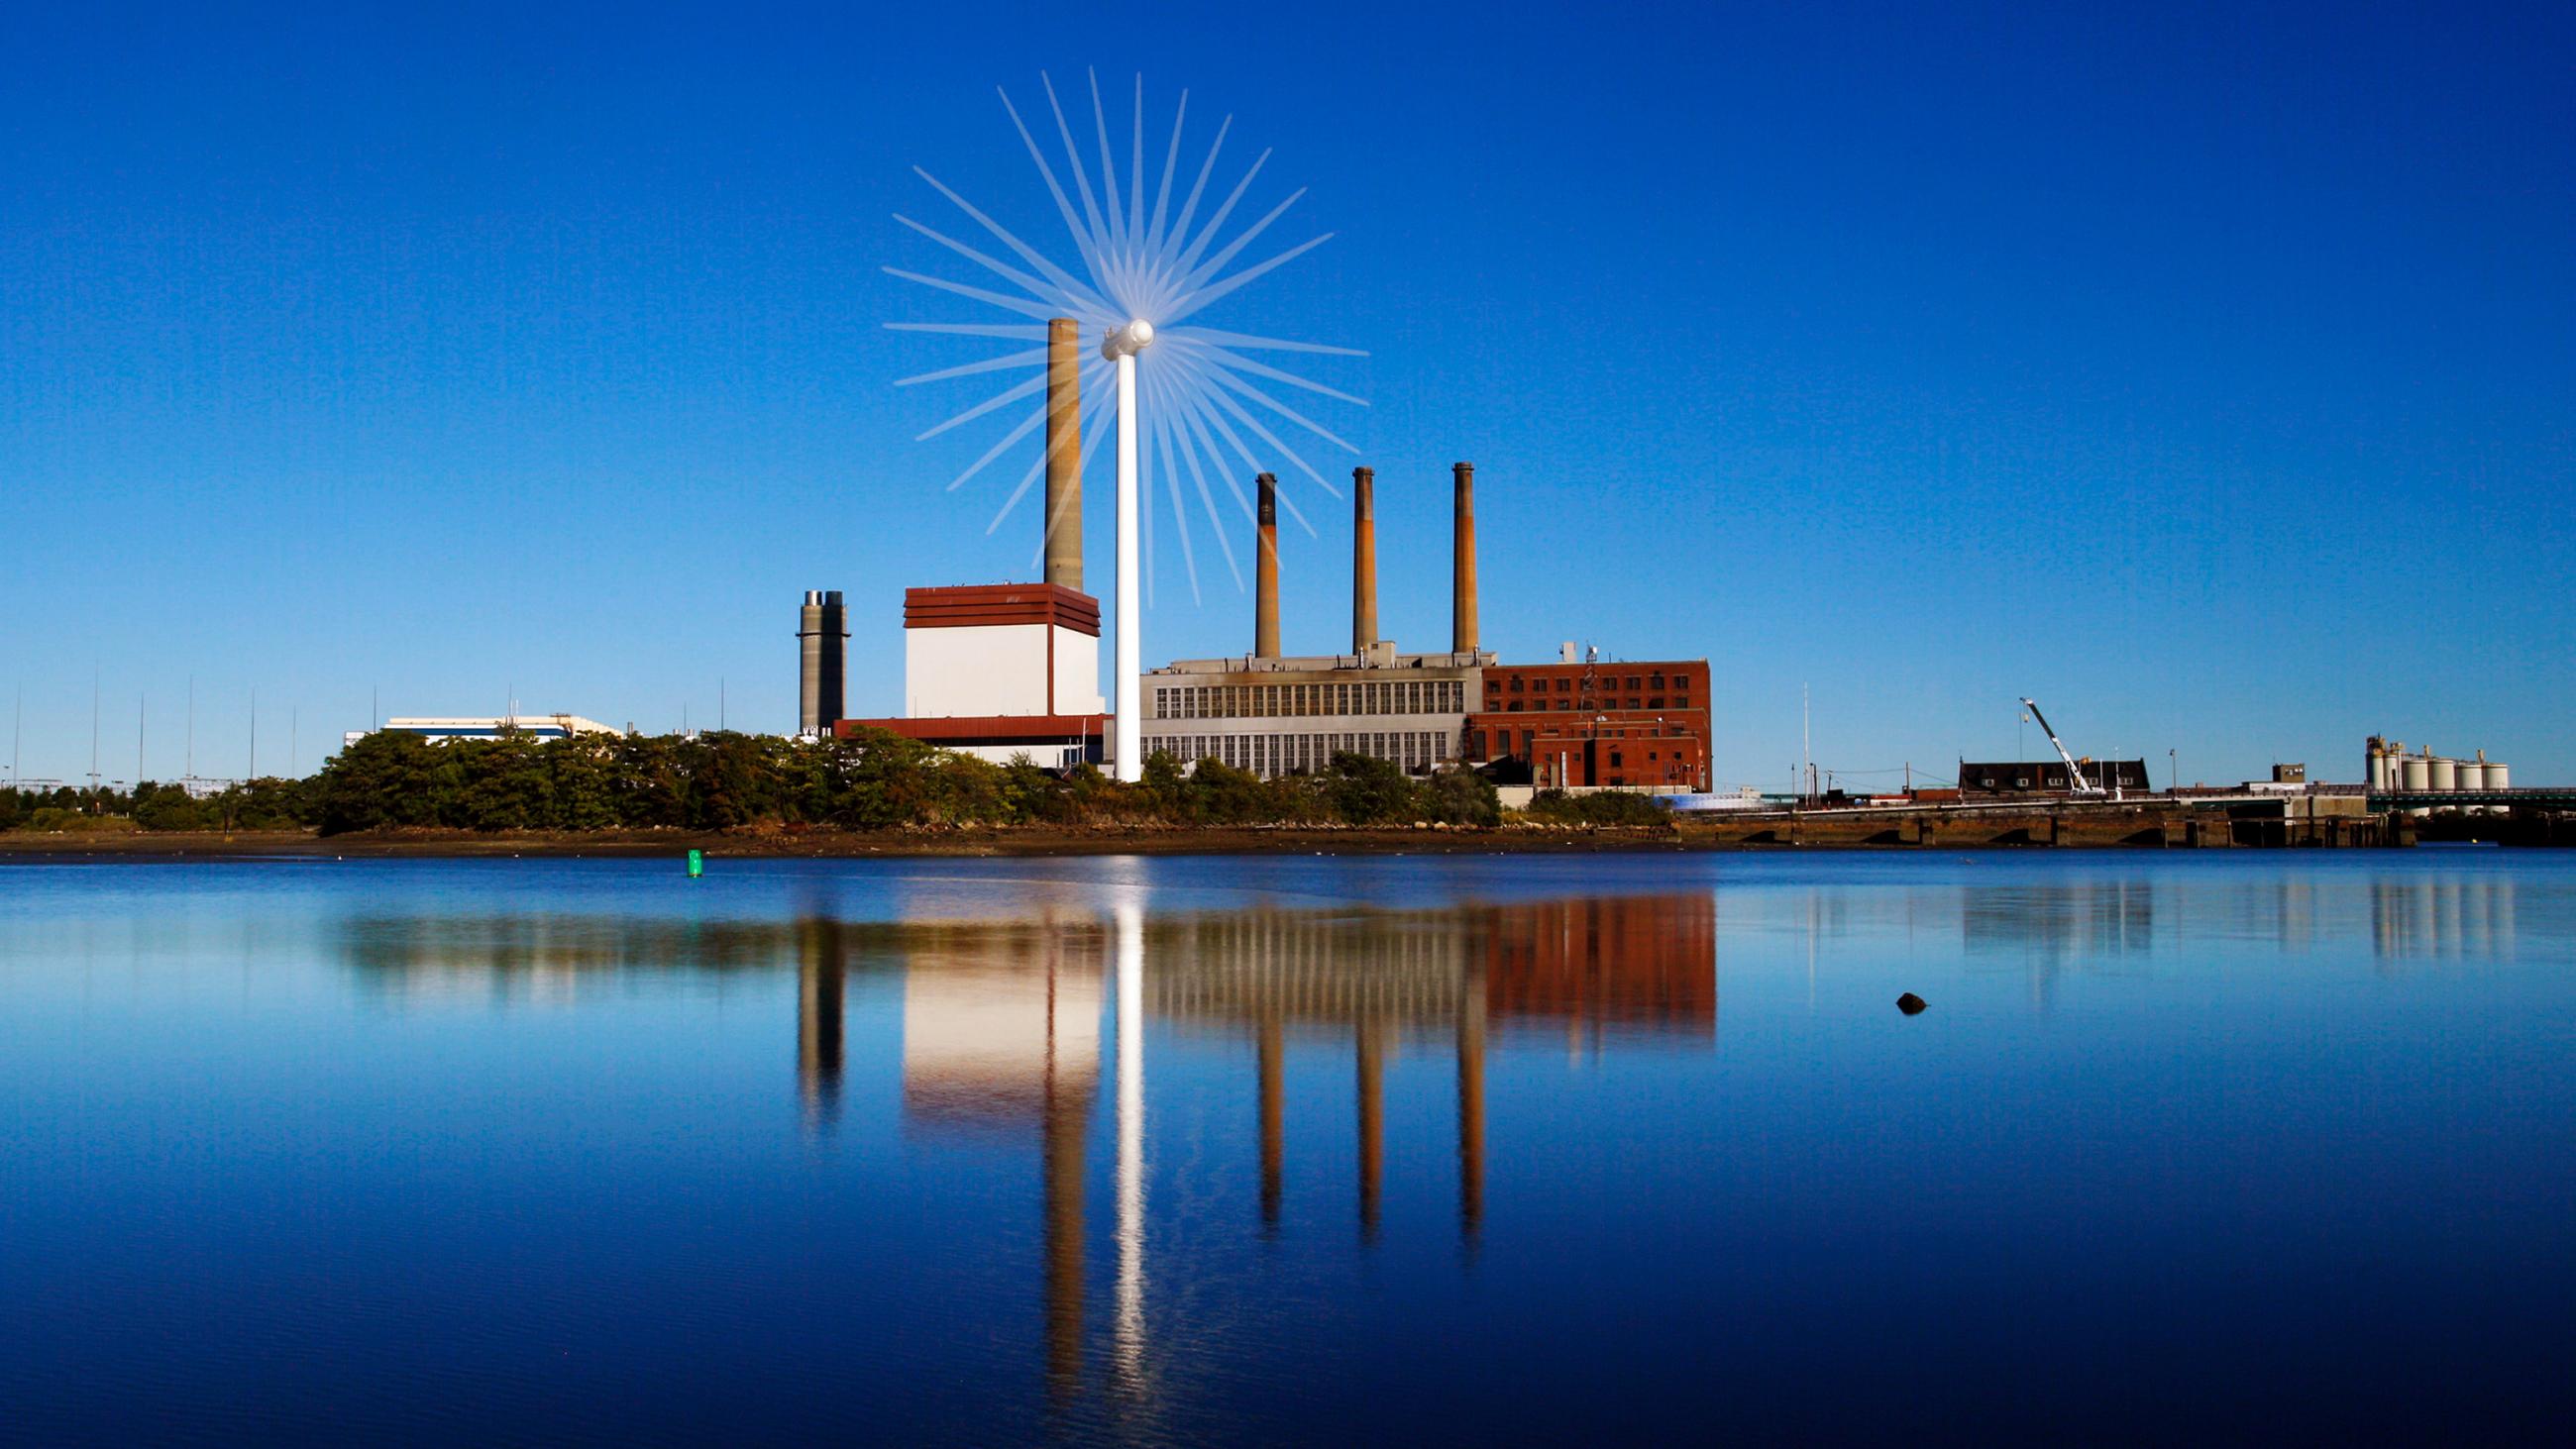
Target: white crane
pixel 2074 772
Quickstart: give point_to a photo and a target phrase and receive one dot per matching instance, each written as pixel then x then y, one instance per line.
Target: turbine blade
pixel 1008 304
pixel 1181 226
pixel 1029 425
pixel 1022 280
pixel 1225 400
pixel 1190 258
pixel 1238 363
pixel 1190 449
pixel 1201 298
pixel 1032 357
pixel 1017 331
pixel 1243 342
pixel 1108 167
pixel 1172 486
pixel 1001 399
pixel 1199 276
pixel 1063 203
pixel 1099 235
pixel 1136 170
pixel 1154 233
pixel 1072 286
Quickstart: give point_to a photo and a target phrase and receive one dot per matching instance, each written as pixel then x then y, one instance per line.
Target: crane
pixel 2074 771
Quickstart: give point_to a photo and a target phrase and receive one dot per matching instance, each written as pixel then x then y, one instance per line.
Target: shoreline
pixel 836 844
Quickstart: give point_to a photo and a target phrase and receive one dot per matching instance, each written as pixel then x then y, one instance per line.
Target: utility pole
pixel 1806 742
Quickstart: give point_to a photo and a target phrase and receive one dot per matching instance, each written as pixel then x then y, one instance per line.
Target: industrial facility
pixel 1009 670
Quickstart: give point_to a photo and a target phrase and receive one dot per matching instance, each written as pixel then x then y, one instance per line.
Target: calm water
pixel 1288 1149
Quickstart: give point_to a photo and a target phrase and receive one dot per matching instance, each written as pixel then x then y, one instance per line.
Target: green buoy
pixel 697 864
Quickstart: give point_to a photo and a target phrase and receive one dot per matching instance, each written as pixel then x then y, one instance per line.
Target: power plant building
pixel 1000 671
pixel 1572 725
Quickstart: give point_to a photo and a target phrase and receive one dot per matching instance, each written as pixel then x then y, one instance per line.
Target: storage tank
pixel 2375 754
pixel 2415 772
pixel 2442 774
pixel 2469 775
pixel 2498 778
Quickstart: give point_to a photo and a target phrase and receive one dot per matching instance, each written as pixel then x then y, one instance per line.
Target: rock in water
pixel 1910 1004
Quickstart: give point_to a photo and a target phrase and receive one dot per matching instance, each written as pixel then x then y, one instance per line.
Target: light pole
pixel 1127 751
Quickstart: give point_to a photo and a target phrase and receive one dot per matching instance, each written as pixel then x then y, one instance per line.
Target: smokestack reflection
pixel 1471 1109
pixel 820 988
pixel 1372 1126
pixel 1274 1147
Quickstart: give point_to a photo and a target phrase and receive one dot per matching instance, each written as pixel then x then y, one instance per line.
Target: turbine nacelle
pixel 1129 340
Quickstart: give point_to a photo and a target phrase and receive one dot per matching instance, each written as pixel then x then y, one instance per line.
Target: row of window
pixel 1239 701
pixel 1565 683
pixel 1270 756
pixel 1555 706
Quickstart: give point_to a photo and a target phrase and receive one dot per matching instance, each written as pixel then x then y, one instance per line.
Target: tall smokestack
pixel 1363 559
pixel 1265 603
pixel 822 658
pixel 1064 454
pixel 1462 574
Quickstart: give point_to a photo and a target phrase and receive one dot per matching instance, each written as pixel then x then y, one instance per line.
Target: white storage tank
pixel 2415 773
pixel 2441 774
pixel 2469 775
pixel 2498 778
pixel 2376 752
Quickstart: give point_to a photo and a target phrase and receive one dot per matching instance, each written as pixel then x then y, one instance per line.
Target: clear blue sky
pixel 2209 373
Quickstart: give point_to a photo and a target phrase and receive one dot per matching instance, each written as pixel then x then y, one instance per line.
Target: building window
pixel 1516 684
pixel 1563 684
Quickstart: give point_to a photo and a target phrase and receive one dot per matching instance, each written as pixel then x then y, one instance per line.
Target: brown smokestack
pixel 1064 454
pixel 1462 576
pixel 1265 601
pixel 1363 559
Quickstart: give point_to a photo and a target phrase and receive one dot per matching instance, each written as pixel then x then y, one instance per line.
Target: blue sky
pixel 2208 373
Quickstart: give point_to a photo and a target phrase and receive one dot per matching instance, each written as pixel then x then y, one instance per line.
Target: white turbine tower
pixel 1139 274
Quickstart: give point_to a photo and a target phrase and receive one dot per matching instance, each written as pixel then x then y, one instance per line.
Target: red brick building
pixel 1602 723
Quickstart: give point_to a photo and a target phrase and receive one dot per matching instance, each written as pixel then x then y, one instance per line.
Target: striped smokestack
pixel 1462 573
pixel 1064 454
pixel 1363 559
pixel 1265 604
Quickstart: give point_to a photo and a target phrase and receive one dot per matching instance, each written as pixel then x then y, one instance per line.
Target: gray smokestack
pixel 1363 559
pixel 1265 603
pixel 1064 454
pixel 1462 573
pixel 823 656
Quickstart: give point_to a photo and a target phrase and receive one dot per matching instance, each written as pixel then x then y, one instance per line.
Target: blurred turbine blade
pixel 1154 233
pixel 1190 258
pixel 1099 235
pixel 1018 331
pixel 1008 304
pixel 1172 486
pixel 1017 278
pixel 1240 363
pixel 1204 296
pixel 1063 203
pixel 1108 168
pixel 1225 400
pixel 1026 427
pixel 1191 447
pixel 1241 342
pixel 1181 224
pixel 1200 275
pixel 1006 361
pixel 1000 399
pixel 1225 378
pixel 1136 171
pixel 1072 286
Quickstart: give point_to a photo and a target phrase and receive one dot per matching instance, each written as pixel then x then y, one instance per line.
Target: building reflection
pixel 1002 1023
pixel 2442 918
